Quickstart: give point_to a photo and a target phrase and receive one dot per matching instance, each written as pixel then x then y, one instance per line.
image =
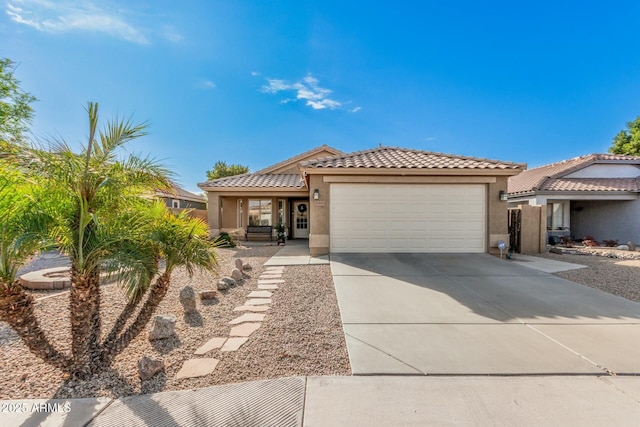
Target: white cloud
pixel 430 138
pixel 255 73
pixel 169 33
pixel 306 89
pixel 208 84
pixel 355 110
pixel 64 16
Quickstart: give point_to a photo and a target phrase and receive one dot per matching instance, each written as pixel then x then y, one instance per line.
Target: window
pixel 175 204
pixel 555 216
pixel 260 212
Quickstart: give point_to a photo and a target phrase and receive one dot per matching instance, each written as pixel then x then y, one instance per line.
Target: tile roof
pixel 295 159
pixel 402 158
pixel 256 180
pixel 546 177
pixel 591 184
pixel 180 193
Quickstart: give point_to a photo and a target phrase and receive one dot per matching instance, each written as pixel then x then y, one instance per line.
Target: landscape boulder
pixel 188 299
pixel 247 267
pixel 225 283
pixel 148 367
pixel 239 263
pixel 208 294
pixel 622 247
pixel 163 326
pixel 236 274
pixel 632 246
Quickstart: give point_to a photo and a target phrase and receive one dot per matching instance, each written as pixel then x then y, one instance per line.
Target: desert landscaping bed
pixel 300 335
pixel 610 270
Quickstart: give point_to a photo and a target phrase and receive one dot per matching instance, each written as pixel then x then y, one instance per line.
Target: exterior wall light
pixel 316 194
pixel 504 196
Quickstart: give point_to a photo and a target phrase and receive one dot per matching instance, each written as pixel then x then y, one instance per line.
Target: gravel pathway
pixel 301 335
pixel 618 276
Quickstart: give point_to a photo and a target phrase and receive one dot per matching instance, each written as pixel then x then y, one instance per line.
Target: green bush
pixel 224 241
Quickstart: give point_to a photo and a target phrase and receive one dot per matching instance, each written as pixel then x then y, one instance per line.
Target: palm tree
pixel 102 221
pixel 19 240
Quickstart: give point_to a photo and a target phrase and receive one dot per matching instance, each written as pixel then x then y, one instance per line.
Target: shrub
pixel 224 240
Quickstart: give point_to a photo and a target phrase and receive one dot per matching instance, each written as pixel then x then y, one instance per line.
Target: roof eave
pixel 407 171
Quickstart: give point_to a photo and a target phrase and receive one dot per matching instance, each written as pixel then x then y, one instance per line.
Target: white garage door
pixel 408 218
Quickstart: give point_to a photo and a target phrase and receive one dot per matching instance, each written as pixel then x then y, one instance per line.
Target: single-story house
pixel 385 199
pixel 594 195
pixel 178 199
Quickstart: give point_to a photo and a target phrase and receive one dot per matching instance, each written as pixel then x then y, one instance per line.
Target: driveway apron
pixel 475 314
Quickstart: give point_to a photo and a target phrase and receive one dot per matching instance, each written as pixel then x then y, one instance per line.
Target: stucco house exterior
pixel 594 195
pixel 385 199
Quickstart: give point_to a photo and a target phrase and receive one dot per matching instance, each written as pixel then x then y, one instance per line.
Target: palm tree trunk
pixel 84 301
pixel 17 309
pixel 156 293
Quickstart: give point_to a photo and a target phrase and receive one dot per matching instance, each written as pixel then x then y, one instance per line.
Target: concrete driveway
pixel 438 314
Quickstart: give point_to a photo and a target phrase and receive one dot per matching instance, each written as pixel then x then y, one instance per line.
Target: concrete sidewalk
pixel 296 252
pixel 354 401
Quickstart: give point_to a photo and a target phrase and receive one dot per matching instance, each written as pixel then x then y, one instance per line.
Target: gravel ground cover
pixel 300 335
pixel 610 270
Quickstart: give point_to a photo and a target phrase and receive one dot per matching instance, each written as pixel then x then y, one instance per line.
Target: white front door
pixel 300 220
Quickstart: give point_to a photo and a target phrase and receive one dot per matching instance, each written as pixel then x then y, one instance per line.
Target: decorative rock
pixel 197 368
pixel 622 247
pixel 162 327
pixel 212 344
pixel 208 294
pixel 247 267
pixel 556 251
pixel 260 294
pixel 148 367
pixel 247 317
pixel 244 330
pixel 253 308
pixel 188 299
pixel 225 282
pixel 236 274
pixel 632 246
pixel 233 344
pixel 239 263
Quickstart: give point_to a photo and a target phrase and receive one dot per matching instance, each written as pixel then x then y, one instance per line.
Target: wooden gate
pixel 515 229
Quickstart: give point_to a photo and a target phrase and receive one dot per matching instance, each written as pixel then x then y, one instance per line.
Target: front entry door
pixel 300 220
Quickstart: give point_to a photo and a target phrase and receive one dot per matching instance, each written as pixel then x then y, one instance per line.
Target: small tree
pixel 92 205
pixel 15 111
pixel 221 169
pixel 627 141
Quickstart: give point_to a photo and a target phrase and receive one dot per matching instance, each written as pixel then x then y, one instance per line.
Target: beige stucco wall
pixel 533 230
pixel 497 222
pixel 319 216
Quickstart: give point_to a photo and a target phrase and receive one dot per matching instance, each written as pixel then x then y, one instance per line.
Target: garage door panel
pixel 408 218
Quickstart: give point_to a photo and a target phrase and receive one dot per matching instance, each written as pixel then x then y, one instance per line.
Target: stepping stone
pixel 279 271
pixel 233 344
pixel 268 287
pixel 213 343
pixel 260 294
pixel 269 281
pixel 244 330
pixel 247 317
pixel 254 308
pixel 274 267
pixel 258 301
pixel 271 276
pixel 197 368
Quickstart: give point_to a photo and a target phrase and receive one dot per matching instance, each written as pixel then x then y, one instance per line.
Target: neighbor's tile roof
pixel 402 158
pixel 255 180
pixel 549 177
pixel 180 193
pixel 591 184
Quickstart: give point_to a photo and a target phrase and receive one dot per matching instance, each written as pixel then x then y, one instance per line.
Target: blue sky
pixel 255 82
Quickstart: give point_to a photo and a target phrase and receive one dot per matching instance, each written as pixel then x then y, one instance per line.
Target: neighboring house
pixel 594 195
pixel 385 199
pixel 178 199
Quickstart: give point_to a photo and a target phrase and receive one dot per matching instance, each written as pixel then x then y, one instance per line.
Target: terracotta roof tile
pixel 295 158
pixel 257 181
pixel 536 178
pixel 402 158
pixel 591 184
